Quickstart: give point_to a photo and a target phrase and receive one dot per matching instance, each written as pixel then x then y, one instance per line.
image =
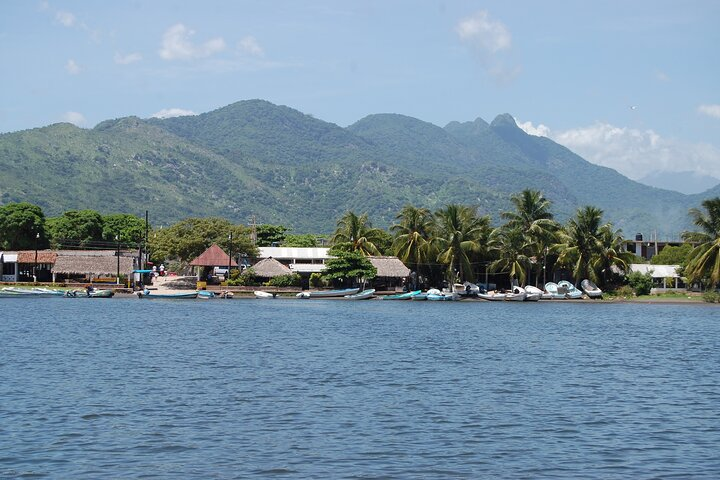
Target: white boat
pixel 328 293
pixel 570 291
pixel 31 292
pixel 493 296
pixel 552 289
pixel 261 294
pixel 364 295
pixel 532 294
pixel 466 289
pixel 590 289
pixel 517 295
pixel 436 295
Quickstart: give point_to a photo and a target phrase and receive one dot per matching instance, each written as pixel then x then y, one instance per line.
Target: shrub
pixel 641 283
pixel 711 296
pixel 246 278
pixel 625 291
pixel 292 280
pixel 316 280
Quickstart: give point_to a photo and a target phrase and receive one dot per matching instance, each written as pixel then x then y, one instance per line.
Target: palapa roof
pixel 93 264
pixel 214 256
pixel 389 267
pixel 43 256
pixel 269 267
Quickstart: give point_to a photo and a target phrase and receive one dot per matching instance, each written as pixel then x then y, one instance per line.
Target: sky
pixel 631 85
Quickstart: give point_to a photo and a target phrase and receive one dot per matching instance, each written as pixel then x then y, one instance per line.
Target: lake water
pixel 127 388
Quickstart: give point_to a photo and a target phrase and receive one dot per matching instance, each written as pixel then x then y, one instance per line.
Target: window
pixel 8 269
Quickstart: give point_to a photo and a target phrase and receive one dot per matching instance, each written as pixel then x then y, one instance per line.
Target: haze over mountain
pixel 683 182
pixel 283 166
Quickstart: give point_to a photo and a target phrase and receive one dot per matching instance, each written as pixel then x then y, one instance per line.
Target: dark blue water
pixel 125 388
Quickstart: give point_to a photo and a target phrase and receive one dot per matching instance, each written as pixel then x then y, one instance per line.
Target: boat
pixel 570 291
pixel 466 289
pixel 493 296
pixel 364 295
pixel 516 295
pixel 31 292
pixel 590 289
pixel 533 294
pixel 175 295
pixel 552 289
pixel 419 297
pixel 206 295
pixel 261 294
pixel 100 293
pixel 402 296
pixel 436 295
pixel 328 293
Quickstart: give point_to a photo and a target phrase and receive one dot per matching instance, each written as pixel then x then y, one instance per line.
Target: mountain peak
pixel 504 120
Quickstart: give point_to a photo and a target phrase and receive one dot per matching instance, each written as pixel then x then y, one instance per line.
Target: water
pixel 124 388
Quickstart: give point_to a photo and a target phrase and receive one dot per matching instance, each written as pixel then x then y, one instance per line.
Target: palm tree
pixel 533 217
pixel 704 259
pixel 579 243
pixel 459 234
pixel 612 253
pixel 356 234
pixel 510 245
pixel 412 236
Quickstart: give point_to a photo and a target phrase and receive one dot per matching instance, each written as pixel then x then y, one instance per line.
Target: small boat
pixel 570 291
pixel 261 294
pixel 533 294
pixel 402 296
pixel 31 292
pixel 364 295
pixel 493 296
pixel 436 295
pixel 517 295
pixel 552 289
pixel 206 295
pixel 328 293
pixel 590 289
pixel 419 297
pixel 466 289
pixel 100 293
pixel 175 295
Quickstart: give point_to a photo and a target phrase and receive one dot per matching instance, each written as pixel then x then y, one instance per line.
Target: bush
pixel 246 278
pixel 711 296
pixel 625 291
pixel 641 283
pixel 316 280
pixel 292 280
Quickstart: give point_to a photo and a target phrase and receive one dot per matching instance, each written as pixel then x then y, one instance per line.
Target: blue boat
pixel 328 293
pixel 177 295
pixel 402 296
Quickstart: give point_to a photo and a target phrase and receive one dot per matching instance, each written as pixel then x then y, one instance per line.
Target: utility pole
pixel 253 232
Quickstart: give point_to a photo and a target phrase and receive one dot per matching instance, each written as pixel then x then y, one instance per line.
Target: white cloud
pixel 72 67
pixel 74 118
pixel 488 39
pixel 172 112
pixel 127 59
pixel 710 110
pixel 67 19
pixel 632 152
pixel 177 45
pixel 251 46
pixel 483 33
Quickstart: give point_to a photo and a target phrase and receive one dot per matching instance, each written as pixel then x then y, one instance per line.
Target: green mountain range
pixel 280 166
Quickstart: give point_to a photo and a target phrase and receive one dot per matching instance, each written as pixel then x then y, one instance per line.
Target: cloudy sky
pixel 630 85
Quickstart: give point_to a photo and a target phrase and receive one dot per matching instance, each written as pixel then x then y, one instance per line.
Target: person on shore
pixel 162 270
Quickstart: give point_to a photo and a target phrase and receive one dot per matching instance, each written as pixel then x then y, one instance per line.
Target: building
pixel 665 277
pixel 66 265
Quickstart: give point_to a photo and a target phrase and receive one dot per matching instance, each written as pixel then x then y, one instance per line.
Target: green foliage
pixel 703 262
pixel 355 234
pixel 19 225
pixel 641 283
pixel 306 240
pixel 348 267
pixel 316 280
pixel 711 296
pixel 246 278
pixel 76 228
pixel 269 234
pixel 129 228
pixel 292 280
pixel 671 255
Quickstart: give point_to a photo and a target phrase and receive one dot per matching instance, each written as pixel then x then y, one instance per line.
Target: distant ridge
pixel 282 166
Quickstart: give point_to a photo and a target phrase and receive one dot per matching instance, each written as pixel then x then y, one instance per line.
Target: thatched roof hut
pixel 214 256
pixel 89 264
pixel 43 256
pixel 389 267
pixel 269 268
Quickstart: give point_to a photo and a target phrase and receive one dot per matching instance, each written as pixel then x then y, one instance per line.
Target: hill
pixel 282 166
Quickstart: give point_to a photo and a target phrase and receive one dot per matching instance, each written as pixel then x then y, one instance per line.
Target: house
pixel 665 277
pixel 391 272
pixel 268 268
pixel 211 262
pixel 90 265
pixel 8 267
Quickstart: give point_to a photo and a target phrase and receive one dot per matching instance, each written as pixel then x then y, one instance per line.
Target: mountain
pixel 684 182
pixel 254 158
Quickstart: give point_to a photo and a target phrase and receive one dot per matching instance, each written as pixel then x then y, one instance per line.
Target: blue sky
pixel 633 85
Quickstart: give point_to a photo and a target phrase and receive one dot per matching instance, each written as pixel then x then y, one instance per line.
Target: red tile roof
pixel 214 256
pixel 43 256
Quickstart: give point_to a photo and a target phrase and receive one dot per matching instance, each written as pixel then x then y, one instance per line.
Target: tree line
pixel 451 244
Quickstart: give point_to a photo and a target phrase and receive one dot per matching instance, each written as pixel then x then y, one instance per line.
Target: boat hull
pixel 328 293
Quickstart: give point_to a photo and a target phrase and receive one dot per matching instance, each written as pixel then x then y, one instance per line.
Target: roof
pixel 94 264
pixel 269 267
pixel 657 271
pixel 294 253
pixel 8 257
pixel 389 267
pixel 307 267
pixel 43 256
pixel 214 256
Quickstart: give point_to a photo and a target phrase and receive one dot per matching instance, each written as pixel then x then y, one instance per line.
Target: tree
pixel 306 240
pixel 412 236
pixel 19 225
pixel 673 255
pixel 355 233
pixel 532 216
pixel 130 228
pixel 76 228
pixel 269 234
pixel 187 239
pixel 611 253
pixel 579 243
pixel 458 236
pixel 349 267
pixel 704 260
pixel 510 245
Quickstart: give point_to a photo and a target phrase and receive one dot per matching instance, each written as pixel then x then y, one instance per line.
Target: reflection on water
pixel 330 389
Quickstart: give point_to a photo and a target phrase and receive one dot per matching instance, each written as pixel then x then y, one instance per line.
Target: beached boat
pixel 419 297
pixel 364 295
pixel 100 293
pixel 167 295
pixel 402 296
pixel 552 289
pixel 436 295
pixel 328 293
pixel 590 289
pixel 571 292
pixel 493 296
pixel 532 294
pixel 516 295
pixel 206 295
pixel 31 292
pixel 466 289
pixel 261 294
